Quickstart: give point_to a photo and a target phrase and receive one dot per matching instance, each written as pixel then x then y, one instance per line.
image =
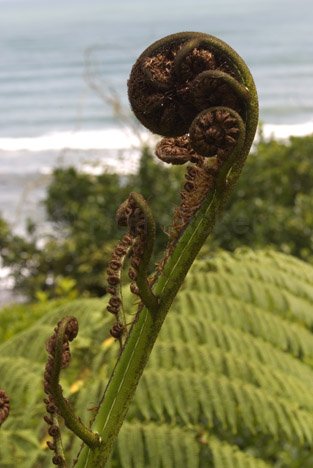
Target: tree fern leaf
pixel 253 407
pixel 259 267
pixel 18 448
pixel 225 359
pixel 28 343
pixel 254 292
pixel 161 445
pixel 282 263
pixel 24 376
pixel 280 332
pixel 224 455
pixel 224 336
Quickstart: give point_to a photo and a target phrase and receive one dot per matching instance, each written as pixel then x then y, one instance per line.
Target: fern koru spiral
pixel 189 88
pixel 56 405
pixel 184 88
pixel 198 94
pixel 137 244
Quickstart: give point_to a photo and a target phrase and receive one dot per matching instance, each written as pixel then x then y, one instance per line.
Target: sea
pixel 64 66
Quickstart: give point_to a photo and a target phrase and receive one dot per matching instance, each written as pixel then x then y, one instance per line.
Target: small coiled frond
pixel 134 214
pixel 4 406
pixel 59 356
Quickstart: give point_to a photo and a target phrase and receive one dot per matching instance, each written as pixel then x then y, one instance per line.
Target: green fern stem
pixel 144 332
pixel 65 409
pixel 145 292
pixel 59 450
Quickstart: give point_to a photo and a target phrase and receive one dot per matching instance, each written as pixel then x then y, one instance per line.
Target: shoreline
pixel 119 138
pixel 24 185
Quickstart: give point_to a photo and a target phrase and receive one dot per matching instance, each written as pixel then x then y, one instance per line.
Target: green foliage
pixel 275 190
pixel 17 317
pixel 82 209
pixel 229 382
pixel 273 202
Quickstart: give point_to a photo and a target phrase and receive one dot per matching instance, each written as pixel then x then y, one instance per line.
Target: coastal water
pixel 64 67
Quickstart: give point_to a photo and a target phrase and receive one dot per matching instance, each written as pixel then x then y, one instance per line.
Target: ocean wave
pixel 119 139
pixel 6 281
pixel 112 139
pixel 284 131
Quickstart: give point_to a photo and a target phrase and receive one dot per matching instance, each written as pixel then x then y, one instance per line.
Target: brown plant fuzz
pixel 4 406
pixel 167 90
pixel 214 132
pixel 71 332
pixel 129 215
pixel 176 150
pixel 199 181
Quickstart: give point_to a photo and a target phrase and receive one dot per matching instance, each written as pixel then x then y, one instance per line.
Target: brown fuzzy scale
pixel 132 244
pixel 54 431
pixel 214 132
pixel 51 408
pixel 132 273
pixel 50 445
pixel 166 95
pixel 117 330
pixel 70 334
pixel 48 420
pixel 211 92
pixel 114 305
pixel 115 266
pixel 113 280
pixel 134 288
pixel 113 310
pixel 158 69
pixel 197 61
pixel 175 150
pixel 111 290
pixel 199 181
pixel 135 262
pixel 58 460
pixel 4 406
pixel 122 214
pixel 150 77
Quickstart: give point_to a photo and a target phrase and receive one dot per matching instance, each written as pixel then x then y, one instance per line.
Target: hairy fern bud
pixel 184 85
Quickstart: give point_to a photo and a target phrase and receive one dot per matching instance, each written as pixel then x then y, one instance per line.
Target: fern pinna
pixel 196 92
pixel 228 383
